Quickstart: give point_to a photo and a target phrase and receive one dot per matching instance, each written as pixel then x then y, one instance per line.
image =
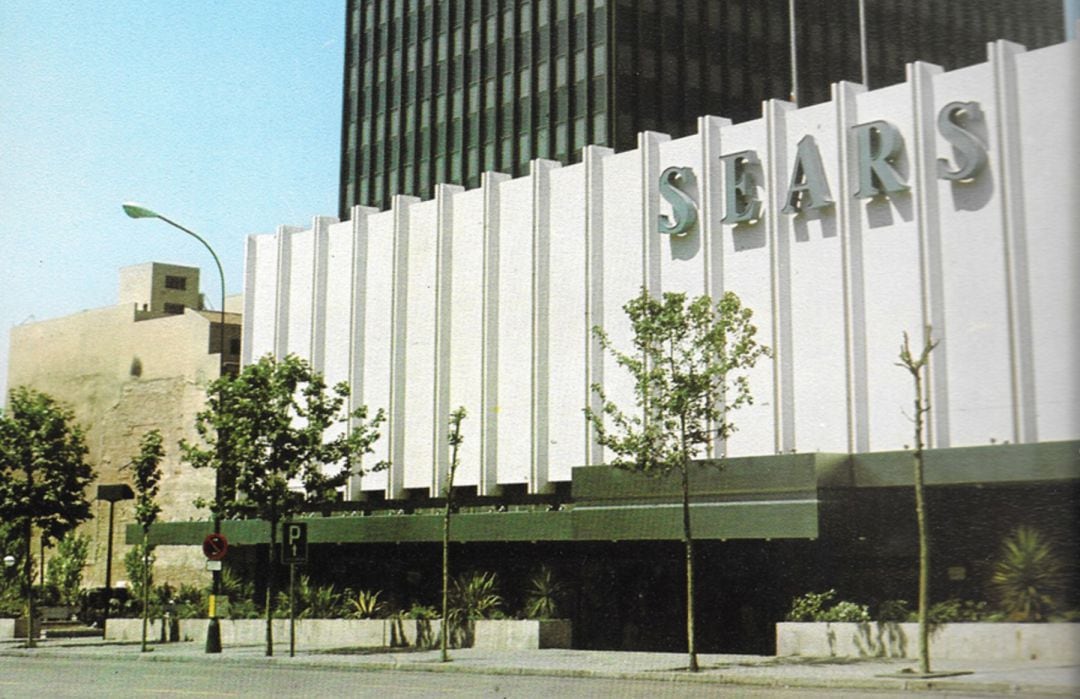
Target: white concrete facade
pixel 484 298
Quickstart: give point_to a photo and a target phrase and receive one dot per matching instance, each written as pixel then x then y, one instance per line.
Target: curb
pixel 463 666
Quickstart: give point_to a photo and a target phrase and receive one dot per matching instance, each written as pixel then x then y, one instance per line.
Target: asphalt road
pixel 92 678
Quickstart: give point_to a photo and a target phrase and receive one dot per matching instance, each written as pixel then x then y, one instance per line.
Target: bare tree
pixel 915 367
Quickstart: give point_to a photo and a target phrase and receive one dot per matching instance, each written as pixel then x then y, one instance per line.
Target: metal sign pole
pixel 292 610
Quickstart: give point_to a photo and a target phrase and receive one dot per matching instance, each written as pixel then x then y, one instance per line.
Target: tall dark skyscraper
pixel 440 91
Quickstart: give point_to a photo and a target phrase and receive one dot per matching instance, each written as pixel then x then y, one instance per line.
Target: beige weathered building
pixel 142 364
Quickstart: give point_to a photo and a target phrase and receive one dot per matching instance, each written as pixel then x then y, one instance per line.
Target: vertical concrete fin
pixel 1002 55
pixel 489 434
pixel 778 232
pixel 710 191
pixel 927 202
pixel 251 261
pixel 395 482
pixel 844 97
pixel 444 276
pixel 540 171
pixel 284 278
pixel 357 320
pixel 594 288
pixel 649 148
pixel 320 228
pixel 710 194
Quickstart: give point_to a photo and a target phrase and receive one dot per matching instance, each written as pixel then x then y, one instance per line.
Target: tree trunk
pixel 689 542
pixel 455 441
pixel 145 591
pixel 270 590
pixel 924 537
pixel 445 655
pixel 28 571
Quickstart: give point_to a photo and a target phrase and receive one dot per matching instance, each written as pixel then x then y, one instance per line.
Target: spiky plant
pixel 476 596
pixel 545 594
pixel 1028 576
pixel 365 604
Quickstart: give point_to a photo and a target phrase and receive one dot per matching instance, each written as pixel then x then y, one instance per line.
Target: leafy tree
pixel 688 366
pixel 139 565
pixel 455 439
pixel 1028 577
pixel 915 366
pixel 145 476
pixel 272 421
pixel 65 570
pixel 43 473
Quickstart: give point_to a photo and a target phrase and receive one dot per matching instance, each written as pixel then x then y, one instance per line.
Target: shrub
pixel 420 611
pixel 65 570
pixel 810 606
pixel 190 602
pixel 954 610
pixel 137 558
pixel 364 604
pixel 476 596
pixel 846 611
pixel 312 601
pixel 813 607
pixel 895 610
pixel 1028 577
pixel 241 595
pixel 11 601
pixel 544 595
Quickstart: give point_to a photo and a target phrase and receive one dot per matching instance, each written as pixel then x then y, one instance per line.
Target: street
pixel 144 677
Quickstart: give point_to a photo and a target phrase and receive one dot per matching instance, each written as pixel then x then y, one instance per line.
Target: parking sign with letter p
pixel 294 543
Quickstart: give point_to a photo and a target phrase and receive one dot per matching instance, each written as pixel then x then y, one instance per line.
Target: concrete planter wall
pixel 19 627
pixel 310 633
pixel 509 634
pixel 956 641
pixel 157 630
pixel 58 612
pixel 7 628
pixel 522 634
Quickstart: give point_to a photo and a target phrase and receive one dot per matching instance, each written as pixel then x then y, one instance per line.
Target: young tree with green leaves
pixel 273 420
pixel 65 569
pixel 145 477
pixel 43 474
pixel 455 439
pixel 915 366
pixel 688 364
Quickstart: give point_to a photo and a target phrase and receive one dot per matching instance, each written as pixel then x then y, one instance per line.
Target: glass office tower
pixel 440 91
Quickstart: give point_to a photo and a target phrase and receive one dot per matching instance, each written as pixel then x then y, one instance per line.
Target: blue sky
pixel 224 116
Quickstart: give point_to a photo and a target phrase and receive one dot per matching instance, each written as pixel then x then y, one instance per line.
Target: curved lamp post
pixel 213 633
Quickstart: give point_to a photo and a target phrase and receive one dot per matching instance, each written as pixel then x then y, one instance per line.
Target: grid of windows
pixel 443 91
pixel 440 91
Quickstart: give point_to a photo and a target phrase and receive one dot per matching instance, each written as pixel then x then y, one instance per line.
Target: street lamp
pixel 111 494
pixel 213 632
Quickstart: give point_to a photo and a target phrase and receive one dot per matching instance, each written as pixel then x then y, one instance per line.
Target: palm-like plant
pixel 1028 576
pixel 476 596
pixel 312 601
pixel 544 596
pixel 365 604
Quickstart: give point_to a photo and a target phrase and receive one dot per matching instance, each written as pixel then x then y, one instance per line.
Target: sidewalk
pixel 1025 679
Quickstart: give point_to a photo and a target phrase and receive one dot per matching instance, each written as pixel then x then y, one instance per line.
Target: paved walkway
pixel 1016 678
